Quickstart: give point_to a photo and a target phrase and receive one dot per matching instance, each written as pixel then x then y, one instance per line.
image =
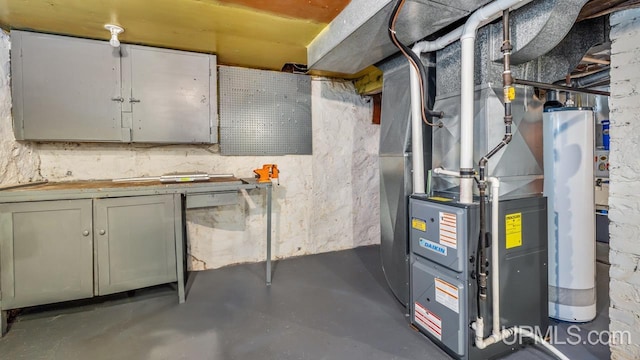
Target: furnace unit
pixel 444 236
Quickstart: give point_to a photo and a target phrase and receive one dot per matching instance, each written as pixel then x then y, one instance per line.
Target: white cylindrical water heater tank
pixel 569 187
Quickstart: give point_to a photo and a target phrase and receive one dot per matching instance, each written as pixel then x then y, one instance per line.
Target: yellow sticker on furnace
pixel 513 230
pixel 419 224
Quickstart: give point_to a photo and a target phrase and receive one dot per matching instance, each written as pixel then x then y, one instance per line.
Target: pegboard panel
pixel 264 112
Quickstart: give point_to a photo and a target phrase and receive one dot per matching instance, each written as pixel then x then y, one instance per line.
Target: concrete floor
pixel 328 306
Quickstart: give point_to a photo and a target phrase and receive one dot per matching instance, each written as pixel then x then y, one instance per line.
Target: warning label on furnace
pixel 428 320
pixel 513 230
pixel 419 224
pixel 447 295
pixel 448 230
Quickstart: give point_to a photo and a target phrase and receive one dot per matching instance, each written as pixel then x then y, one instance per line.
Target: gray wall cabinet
pixel 63 88
pixel 70 89
pixel 170 94
pixel 52 251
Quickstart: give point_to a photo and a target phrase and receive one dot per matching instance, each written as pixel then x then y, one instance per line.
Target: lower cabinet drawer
pixel 195 201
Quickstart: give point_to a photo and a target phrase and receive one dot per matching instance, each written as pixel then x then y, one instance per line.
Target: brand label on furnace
pixel 430 245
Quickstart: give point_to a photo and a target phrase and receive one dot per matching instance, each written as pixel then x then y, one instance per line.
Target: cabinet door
pixel 173 95
pixel 64 88
pixel 135 242
pixel 46 252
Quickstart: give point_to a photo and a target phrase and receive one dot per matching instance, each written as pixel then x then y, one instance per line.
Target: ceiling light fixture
pixel 114 30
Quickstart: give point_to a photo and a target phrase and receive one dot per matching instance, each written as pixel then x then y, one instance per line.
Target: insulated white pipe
pixel 495 242
pixel 466 117
pixel 467 42
pixel 417 149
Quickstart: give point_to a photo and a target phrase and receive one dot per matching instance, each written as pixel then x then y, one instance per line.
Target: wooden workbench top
pixel 109 184
pixel 87 189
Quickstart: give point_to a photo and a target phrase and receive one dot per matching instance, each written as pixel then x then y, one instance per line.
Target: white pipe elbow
pixel 442 171
pixel 484 14
pixel 495 183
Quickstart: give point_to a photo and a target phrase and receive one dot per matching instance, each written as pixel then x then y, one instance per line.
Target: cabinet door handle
pixel 102 232
pixel 118 99
pixel 132 100
pixel 85 233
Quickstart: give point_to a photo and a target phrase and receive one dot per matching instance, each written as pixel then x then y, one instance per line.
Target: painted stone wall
pixel 18 162
pixel 326 201
pixel 624 191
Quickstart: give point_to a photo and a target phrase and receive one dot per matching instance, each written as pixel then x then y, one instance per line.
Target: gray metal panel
pixel 453 324
pixel 357 37
pixel 525 267
pixel 63 88
pixel 170 95
pixel 395 178
pixel 135 242
pixel 438 244
pixel 264 112
pixel 395 188
pixel 46 252
pixel 195 201
pixel 519 165
pixel 395 127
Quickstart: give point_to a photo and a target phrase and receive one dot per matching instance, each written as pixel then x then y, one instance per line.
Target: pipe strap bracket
pixel 467 173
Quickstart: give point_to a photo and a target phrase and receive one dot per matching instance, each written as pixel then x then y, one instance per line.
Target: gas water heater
pixel 568 184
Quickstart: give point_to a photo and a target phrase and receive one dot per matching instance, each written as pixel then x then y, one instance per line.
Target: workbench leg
pixel 177 200
pixel 269 235
pixel 3 323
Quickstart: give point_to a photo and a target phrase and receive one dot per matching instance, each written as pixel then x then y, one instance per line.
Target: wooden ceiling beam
pixel 597 8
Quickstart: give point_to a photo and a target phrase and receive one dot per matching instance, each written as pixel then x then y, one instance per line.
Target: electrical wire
pixel 413 58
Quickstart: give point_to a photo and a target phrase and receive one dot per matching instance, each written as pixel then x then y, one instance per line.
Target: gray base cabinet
pixel 53 251
pixel 45 252
pixel 134 243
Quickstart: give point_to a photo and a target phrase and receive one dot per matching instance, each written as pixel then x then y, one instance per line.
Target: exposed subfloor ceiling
pixel 256 34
